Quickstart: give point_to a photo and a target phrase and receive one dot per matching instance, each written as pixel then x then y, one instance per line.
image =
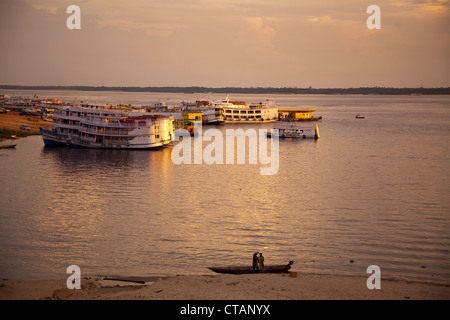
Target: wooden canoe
pixel 249 269
pixel 7 146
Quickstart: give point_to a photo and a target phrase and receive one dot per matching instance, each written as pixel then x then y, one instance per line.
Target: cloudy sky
pixel 216 43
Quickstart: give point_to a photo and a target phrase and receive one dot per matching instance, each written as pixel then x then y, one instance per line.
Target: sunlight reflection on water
pixel 373 192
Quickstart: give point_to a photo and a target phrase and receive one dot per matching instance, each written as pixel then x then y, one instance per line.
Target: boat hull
pixel 53 139
pixel 7 146
pixel 248 269
pixel 293 130
pixel 79 144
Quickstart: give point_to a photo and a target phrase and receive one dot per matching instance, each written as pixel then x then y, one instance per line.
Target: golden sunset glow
pixel 227 43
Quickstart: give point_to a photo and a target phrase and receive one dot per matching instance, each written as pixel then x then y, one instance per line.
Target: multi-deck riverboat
pixel 240 111
pixel 107 127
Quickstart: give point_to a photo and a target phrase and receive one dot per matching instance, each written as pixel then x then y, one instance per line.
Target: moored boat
pixel 210 114
pixel 132 132
pixel 233 111
pixel 54 138
pixel 291 125
pixel 108 127
pixel 249 269
pixel 294 130
pixel 7 146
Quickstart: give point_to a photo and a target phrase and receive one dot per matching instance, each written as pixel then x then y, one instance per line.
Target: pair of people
pixel 258 262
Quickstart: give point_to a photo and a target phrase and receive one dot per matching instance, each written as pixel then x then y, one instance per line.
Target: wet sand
pixel 227 287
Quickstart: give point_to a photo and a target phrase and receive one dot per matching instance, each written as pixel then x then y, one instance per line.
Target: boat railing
pixel 299 119
pixel 66 116
pixel 102 122
pixel 257 106
pixel 65 125
pixel 82 140
pixel 118 122
pixel 289 123
pixel 104 131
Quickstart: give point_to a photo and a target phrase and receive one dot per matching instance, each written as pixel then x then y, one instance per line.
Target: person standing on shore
pixel 261 262
pixel 255 262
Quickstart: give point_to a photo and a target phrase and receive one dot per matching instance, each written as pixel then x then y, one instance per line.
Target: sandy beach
pixel 226 287
pixel 13 121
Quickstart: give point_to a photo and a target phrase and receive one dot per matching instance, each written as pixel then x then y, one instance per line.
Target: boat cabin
pixel 193 116
pixel 295 114
pixel 189 120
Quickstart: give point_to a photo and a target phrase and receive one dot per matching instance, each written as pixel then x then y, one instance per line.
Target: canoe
pixel 7 146
pixel 249 269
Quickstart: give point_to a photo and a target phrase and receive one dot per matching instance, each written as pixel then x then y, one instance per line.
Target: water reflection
pixel 373 191
pixel 94 193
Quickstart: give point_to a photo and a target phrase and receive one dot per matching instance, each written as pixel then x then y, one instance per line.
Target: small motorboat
pixel 249 269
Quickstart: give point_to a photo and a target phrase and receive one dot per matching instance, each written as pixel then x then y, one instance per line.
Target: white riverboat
pixel 206 113
pixel 240 111
pixel 291 124
pixel 107 127
pixel 294 130
pixel 210 115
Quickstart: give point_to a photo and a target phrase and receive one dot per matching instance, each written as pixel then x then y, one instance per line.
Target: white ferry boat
pixel 221 111
pixel 294 130
pixel 210 114
pixel 106 127
pixel 207 114
pixel 240 111
pixel 291 124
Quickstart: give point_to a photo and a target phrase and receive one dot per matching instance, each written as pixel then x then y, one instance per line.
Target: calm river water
pixel 368 192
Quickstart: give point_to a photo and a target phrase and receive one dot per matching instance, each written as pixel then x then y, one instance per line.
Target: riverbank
pixel 10 125
pixel 227 287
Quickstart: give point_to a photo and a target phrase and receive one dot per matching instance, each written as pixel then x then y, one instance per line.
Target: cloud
pixel 225 43
pixel 264 34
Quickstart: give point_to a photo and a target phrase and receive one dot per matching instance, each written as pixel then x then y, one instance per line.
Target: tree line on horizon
pixel 243 90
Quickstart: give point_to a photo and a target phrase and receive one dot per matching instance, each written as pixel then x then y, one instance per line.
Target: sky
pixel 226 43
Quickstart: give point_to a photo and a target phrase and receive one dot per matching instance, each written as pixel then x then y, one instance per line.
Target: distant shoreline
pixel 246 90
